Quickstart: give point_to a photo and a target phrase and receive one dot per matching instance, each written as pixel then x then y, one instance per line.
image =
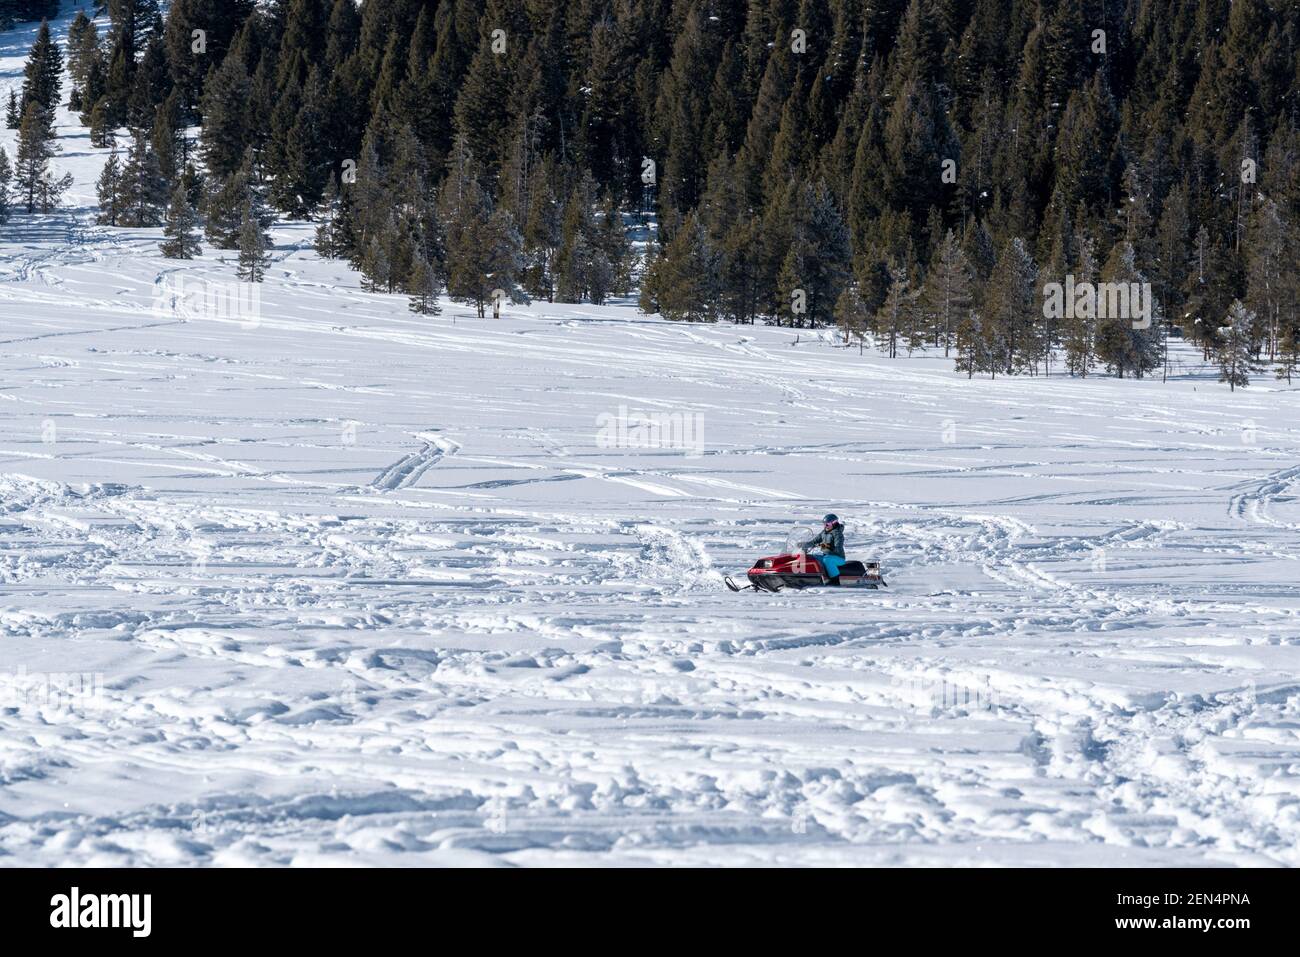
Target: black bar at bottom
pixel 581 907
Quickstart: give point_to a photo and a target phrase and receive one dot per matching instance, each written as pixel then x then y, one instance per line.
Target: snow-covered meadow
pixel 337 583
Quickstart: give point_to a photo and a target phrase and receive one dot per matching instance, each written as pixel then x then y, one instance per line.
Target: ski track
pixel 356 586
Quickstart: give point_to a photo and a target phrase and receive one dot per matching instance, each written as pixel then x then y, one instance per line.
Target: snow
pixel 347 585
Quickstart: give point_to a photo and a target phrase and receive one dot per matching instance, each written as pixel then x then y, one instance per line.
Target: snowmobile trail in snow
pixel 406 472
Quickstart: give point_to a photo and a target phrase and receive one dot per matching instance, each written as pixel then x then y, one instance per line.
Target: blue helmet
pixel 831 519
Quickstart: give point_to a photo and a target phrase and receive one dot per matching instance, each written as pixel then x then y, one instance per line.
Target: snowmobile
pixel 794 568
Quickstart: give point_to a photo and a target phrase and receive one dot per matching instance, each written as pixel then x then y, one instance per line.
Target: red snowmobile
pixel 798 570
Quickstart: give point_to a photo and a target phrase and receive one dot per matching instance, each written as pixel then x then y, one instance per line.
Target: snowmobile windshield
pixel 795 541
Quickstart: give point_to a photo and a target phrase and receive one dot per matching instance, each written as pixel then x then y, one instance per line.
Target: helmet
pixel 831 519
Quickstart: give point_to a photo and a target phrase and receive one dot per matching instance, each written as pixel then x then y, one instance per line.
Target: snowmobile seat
pixel 852 568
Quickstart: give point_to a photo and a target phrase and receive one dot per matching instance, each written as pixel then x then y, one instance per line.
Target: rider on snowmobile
pixel 831 542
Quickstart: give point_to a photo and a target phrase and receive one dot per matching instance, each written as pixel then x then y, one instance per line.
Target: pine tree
pixel 685 277
pixel 12 117
pixel 144 190
pixel 253 257
pixel 424 285
pixel 225 202
pixel 328 242
pixel 1236 355
pixel 972 353
pixel 818 258
pixel 36 146
pixel 297 161
pixel 167 139
pixel 6 180
pixel 896 314
pixel 1288 355
pixel 220 20
pixel 376 270
pixel 542 233
pixel 226 134
pixel 1080 329
pixel 181 230
pixel 852 315
pixel 132 23
pixel 101 131
pixel 947 295
pixel 150 85
pixel 93 92
pixel 77 30
pixel 110 192
pixel 43 74
pixel 573 261
pixel 484 249
pixel 612 242
pixel 86 64
pixel 1010 308
pixel 1271 282
pixel 1127 343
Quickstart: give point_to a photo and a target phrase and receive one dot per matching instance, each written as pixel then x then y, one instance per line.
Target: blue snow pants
pixel 832 565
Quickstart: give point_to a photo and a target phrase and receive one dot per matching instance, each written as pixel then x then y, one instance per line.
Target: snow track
pixel 406 472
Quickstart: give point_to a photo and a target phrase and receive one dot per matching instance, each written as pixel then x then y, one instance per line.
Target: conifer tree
pixel 897 312
pixel 1236 355
pixel 77 30
pixel 226 134
pixel 253 256
pixel 36 184
pixel 12 117
pixel 297 161
pixel 574 260
pixel 852 315
pixel 328 242
pixel 1127 343
pixel 167 138
pixel 101 130
pixel 84 59
pixel 484 249
pixel 424 285
pixel 543 233
pixel 225 202
pixel 1271 281
pixel 43 74
pixel 376 266
pixel 818 258
pixel 132 22
pixel 6 181
pixel 110 192
pixel 1288 355
pixel 144 190
pixel 971 346
pixel 93 91
pixel 1010 308
pixel 947 295
pixel 220 21
pixel 684 279
pixel 181 229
